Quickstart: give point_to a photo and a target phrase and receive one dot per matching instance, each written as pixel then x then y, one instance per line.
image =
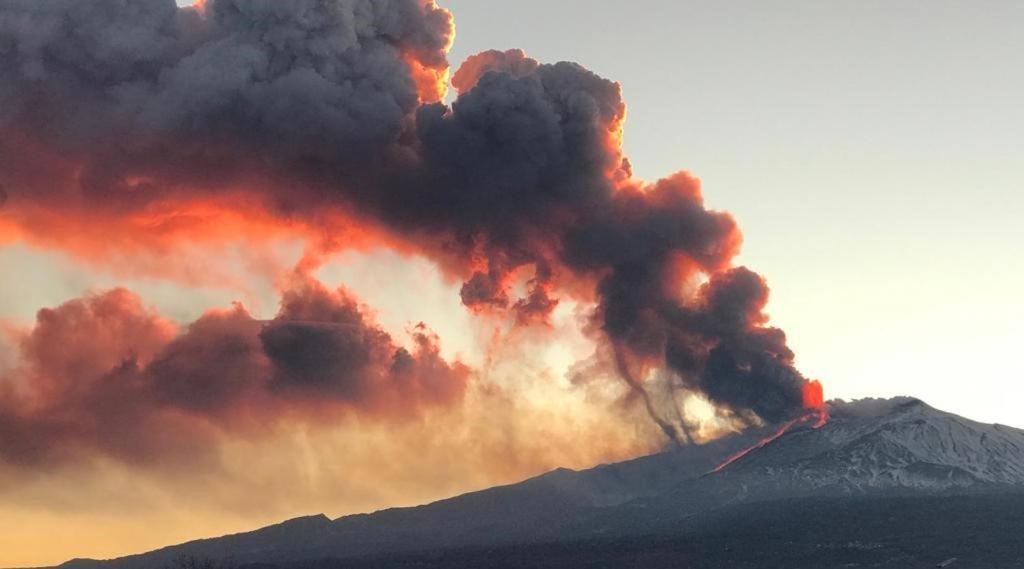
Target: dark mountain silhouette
pixel 884 481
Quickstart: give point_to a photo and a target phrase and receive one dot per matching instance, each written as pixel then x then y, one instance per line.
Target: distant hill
pixel 878 471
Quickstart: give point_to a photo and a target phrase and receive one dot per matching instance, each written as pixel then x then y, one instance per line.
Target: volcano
pixel 884 483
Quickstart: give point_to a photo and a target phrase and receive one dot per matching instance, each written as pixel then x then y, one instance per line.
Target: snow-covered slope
pixel 869 447
pixel 888 444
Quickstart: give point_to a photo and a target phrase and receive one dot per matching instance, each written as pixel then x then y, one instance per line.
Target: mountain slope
pixel 868 448
pixel 901 532
pixel 900 443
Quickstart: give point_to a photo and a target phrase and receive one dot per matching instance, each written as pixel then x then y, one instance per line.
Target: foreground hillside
pixel 880 478
pixel 980 532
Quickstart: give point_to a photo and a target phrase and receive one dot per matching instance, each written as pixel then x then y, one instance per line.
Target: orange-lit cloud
pixel 146 420
pixel 104 376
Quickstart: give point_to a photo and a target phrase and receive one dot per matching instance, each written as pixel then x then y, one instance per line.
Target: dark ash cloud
pixel 318 110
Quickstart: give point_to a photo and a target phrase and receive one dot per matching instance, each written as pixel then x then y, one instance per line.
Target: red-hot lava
pixel 814 399
pixel 816 417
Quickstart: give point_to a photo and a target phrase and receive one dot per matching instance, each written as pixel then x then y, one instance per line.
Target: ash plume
pixel 325 114
pixel 104 375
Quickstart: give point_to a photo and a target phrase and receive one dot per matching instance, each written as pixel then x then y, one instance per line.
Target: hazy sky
pixel 871 151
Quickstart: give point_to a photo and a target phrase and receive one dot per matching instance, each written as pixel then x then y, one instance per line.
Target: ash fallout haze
pixel 320 253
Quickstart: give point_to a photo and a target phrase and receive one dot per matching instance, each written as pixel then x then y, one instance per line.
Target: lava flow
pixel 817 417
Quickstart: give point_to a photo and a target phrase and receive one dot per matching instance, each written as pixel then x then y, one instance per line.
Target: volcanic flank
pixel 943 484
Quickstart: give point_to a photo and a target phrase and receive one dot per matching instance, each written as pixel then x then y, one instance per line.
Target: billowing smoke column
pixel 326 114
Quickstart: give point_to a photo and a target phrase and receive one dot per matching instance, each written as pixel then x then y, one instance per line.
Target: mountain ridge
pixel 870 447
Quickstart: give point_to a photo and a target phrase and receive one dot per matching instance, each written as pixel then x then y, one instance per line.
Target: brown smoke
pixel 104 375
